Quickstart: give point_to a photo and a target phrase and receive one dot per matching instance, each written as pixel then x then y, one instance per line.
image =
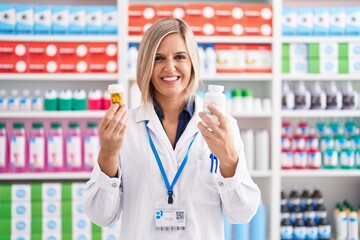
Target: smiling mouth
pixel 170 79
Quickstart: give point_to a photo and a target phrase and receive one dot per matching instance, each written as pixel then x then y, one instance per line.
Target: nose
pixel 170 66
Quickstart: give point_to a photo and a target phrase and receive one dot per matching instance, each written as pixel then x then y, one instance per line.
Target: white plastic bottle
pixel 215 97
pixel 262 149
pixel 210 60
pixel 25 100
pixel 3 100
pixel 333 97
pixel 288 98
pixel 37 101
pixel 202 59
pixel 247 136
pixel 318 97
pixel 302 97
pixel 132 60
pixel 14 100
pixel 350 98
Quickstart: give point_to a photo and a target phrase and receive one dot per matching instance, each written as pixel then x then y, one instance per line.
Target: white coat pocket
pixel 205 188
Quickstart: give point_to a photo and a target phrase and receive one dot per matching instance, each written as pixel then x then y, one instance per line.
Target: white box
pixel 81 224
pixel 113 228
pixel 328 49
pixel 51 191
pixel 289 21
pixel 337 21
pixel 110 20
pixel 84 236
pixel 352 21
pixel 7 18
pixel 20 192
pixel 329 65
pixel 43 19
pixel 298 65
pixel 321 21
pixel 354 65
pixel 305 23
pixel 107 236
pixel 25 236
pixel 51 236
pixel 51 224
pixel 298 50
pixel 354 49
pixel 20 209
pixel 60 20
pixel 77 208
pixel 77 20
pixel 20 225
pixel 94 20
pixel 77 190
pixel 24 19
pixel 51 208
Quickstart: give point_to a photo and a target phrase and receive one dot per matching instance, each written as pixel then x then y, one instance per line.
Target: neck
pixel 171 107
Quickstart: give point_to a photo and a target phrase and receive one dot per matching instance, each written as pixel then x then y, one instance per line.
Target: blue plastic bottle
pixel 258 224
pixel 227 229
pixel 241 231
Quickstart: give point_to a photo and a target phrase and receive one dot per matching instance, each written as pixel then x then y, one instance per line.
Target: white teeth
pixel 170 78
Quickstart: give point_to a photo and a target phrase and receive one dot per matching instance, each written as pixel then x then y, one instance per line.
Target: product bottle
pixel 286 231
pixel 324 227
pixel 247 100
pixel 51 100
pixel 299 227
pixel 247 136
pixel 318 200
pixel 258 224
pixel 135 96
pixel 314 159
pixel 288 97
pixel 340 140
pixel 294 198
pixel 3 148
pixel 66 100
pixel 202 59
pixel 106 102
pixel 318 97
pixel 341 223
pixel 95 99
pixel 326 140
pixel 25 101
pixel 237 103
pixel 210 59
pixel 116 92
pixel 330 158
pixel 347 157
pixel 305 195
pixel 3 100
pixel 55 147
pixel 333 97
pixel 132 59
pixel 37 147
pixel 18 147
pixel 262 157
pixel 353 224
pixel 14 100
pixel 350 98
pixel 37 102
pixel 311 227
pixel 91 145
pixel 302 97
pixel 73 147
pixel 215 97
pixel 79 100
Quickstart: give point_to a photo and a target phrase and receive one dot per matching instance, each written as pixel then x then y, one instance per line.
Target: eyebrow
pixel 175 53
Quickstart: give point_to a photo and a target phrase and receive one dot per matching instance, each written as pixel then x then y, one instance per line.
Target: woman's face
pixel 172 68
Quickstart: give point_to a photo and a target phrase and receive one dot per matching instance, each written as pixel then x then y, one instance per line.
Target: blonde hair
pixel 148 48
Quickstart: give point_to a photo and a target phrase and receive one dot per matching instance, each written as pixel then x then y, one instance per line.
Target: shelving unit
pixel 271 181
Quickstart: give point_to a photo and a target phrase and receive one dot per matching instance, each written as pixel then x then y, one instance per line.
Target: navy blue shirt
pixel 184 117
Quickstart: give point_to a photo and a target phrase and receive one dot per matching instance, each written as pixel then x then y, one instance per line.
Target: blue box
pixel 94 20
pixel 337 21
pixel 352 21
pixel 7 19
pixel 24 19
pixel 77 20
pixel 289 21
pixel 321 21
pixel 305 21
pixel 60 20
pixel 110 20
pixel 43 19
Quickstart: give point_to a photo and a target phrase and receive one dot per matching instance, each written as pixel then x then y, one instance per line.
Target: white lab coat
pixel 140 186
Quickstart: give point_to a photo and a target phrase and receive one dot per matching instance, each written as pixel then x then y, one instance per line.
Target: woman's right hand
pixel 111 134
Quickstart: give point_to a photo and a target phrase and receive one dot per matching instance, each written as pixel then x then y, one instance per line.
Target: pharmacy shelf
pixel 59 77
pixel 320 77
pixel 52 114
pixel 58 38
pixel 220 39
pixel 260 174
pixel 45 176
pixel 322 39
pixel 320 113
pixel 253 115
pixel 321 173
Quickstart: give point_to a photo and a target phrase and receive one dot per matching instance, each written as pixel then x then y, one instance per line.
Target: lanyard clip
pixel 215 160
pixel 170 199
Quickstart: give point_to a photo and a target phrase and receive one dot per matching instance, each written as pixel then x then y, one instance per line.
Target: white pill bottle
pixel 217 98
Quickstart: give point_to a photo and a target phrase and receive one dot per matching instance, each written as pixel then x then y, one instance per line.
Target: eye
pixel 159 58
pixel 180 57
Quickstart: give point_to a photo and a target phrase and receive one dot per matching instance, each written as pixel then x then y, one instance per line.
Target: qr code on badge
pixel 180 215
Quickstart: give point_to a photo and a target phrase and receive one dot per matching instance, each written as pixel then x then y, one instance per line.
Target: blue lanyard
pixel 168 186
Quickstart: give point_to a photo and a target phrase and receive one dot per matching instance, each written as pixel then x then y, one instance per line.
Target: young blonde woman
pixel 160 171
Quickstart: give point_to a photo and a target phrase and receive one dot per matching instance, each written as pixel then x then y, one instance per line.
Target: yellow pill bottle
pixel 116 92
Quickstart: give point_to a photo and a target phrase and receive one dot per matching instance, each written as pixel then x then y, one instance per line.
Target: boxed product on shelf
pixel 202 27
pixel 230 27
pixel 321 21
pixel 7 18
pixel 337 20
pixel 258 18
pixel 13 57
pixel 60 19
pixel 230 58
pixel 77 20
pixel 110 20
pixel 229 11
pixel 142 11
pixel 199 11
pixel 305 21
pixel 24 19
pixel 289 21
pixel 170 10
pixel 94 20
pixel 137 27
pixel 258 58
pixel 43 19
pixel 352 21
pixel 42 57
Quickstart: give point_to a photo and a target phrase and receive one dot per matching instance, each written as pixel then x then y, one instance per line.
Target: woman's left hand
pixel 220 141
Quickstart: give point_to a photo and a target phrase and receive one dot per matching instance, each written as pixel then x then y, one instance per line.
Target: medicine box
pixel 43 19
pixel 202 26
pixel 230 58
pixel 24 19
pixel 298 50
pixel 230 27
pixel 51 224
pixel 337 20
pixel 20 209
pixel 304 21
pixel 94 20
pixel 52 236
pixel 51 208
pixel 77 208
pixel 328 49
pixel 258 58
pixel 329 65
pixel 321 21
pixel 142 11
pixel 354 49
pixel 289 21
pixel 81 224
pixel 60 20
pixel 110 20
pixel 20 225
pixel 77 190
pixel 170 11
pixel 77 20
pixel 352 21
pixel 20 192
pixel 354 65
pixel 200 11
pixel 51 191
pixel 298 65
pixel 7 18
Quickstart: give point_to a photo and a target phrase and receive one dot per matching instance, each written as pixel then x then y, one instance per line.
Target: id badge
pixel 170 218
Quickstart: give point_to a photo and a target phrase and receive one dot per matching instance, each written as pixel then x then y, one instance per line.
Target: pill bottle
pixel 116 92
pixel 216 98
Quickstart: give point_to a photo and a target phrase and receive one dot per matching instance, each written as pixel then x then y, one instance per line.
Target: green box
pixel 36 192
pixel 96 236
pixel 66 209
pixel 36 209
pixel 66 191
pixel 95 229
pixel 5 227
pixel 285 50
pixel 343 66
pixel 285 67
pixel 5 210
pixel 36 226
pixel 343 50
pixel 313 50
pixel 5 192
pixel 66 225
pixel 314 66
